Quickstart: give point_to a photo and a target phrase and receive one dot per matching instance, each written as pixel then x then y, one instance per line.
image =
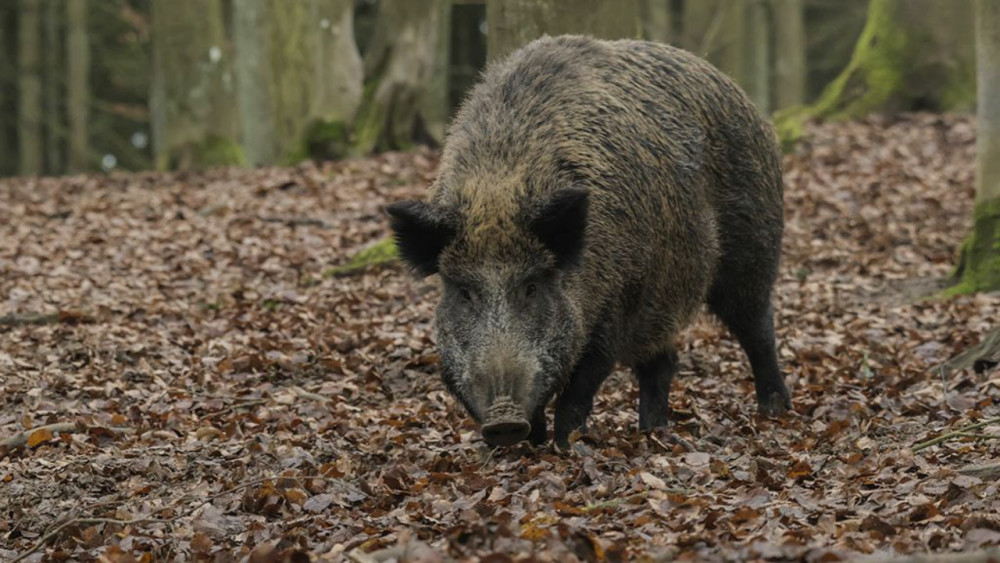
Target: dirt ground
pixel 221 397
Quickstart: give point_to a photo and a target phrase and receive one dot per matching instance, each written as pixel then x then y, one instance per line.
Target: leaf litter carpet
pixel 222 398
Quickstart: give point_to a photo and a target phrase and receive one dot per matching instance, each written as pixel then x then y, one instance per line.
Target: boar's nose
pixel 505 423
pixel 505 433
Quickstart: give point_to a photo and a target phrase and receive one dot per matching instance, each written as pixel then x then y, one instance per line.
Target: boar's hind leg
pixel 654 378
pixel 575 402
pixel 751 321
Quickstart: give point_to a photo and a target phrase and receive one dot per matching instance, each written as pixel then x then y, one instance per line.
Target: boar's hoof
pixel 774 404
pixel 506 433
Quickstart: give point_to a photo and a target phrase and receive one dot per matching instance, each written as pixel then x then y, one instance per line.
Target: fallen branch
pixel 945 437
pixel 21 437
pixel 985 472
pixel 980 436
pixel 303 394
pixel 155 520
pixel 296 221
pixel 978 357
pixel 27 319
pixel 983 556
pixel 235 406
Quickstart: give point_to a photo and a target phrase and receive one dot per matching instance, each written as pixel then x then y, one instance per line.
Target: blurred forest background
pixel 89 85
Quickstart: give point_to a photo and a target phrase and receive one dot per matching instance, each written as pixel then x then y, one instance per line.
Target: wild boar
pixel 591 196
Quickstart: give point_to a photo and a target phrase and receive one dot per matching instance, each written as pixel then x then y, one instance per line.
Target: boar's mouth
pixel 505 423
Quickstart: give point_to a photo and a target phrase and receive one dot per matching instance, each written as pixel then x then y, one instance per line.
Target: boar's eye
pixel 530 290
pixel 466 294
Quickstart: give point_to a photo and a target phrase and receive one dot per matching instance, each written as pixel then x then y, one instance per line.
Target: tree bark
pixel 77 85
pixel 912 55
pixel 52 87
pixel 756 78
pixel 298 76
pixel 29 88
pixel 657 20
pixel 192 99
pixel 398 68
pixel 979 260
pixel 717 30
pixel 434 107
pixel 7 73
pixel 514 23
pixel 789 53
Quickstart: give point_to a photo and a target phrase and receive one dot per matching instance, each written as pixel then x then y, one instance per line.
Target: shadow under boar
pixel 591 196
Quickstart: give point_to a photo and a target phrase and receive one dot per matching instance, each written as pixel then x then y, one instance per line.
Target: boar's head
pixel 508 325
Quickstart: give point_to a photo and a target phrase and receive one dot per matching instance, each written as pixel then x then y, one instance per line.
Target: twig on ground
pixel 235 406
pixel 945 437
pixel 21 437
pixel 296 221
pixel 303 394
pixel 982 556
pixel 980 436
pixel 25 319
pixel 991 471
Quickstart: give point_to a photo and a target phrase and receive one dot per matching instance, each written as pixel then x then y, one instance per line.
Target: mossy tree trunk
pixel 398 69
pixel 979 263
pixel 29 118
pixel 514 23
pixel 789 53
pixel 77 85
pixel 192 102
pixel 912 55
pixel 298 75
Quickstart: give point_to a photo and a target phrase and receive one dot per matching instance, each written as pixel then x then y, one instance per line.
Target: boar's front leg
pixel 575 402
pixel 654 378
pixel 539 430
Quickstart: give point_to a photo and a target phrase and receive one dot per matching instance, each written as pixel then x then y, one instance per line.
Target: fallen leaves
pixel 224 396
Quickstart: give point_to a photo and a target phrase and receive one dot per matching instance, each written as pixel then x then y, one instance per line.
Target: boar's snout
pixel 505 423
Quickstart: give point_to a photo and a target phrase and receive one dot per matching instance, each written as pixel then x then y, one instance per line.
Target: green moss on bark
pixel 979 258
pixel 219 151
pixel 381 252
pixel 913 55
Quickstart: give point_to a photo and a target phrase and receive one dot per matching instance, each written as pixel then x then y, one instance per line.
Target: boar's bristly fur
pixel 592 195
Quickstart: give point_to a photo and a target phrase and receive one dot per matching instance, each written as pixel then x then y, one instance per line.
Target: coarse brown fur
pixel 683 206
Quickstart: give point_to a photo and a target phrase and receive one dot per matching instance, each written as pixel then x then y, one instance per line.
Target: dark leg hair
pixel 654 378
pixel 753 326
pixel 575 402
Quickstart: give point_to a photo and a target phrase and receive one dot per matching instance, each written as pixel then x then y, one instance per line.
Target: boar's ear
pixel 560 225
pixel 421 234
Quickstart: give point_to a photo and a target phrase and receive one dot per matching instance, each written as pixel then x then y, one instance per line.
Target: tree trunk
pixel 298 76
pixel 789 53
pixel 29 136
pixel 756 79
pixel 52 87
pixel 979 262
pixel 514 23
pixel 398 68
pixel 77 85
pixel 192 99
pixel 7 73
pixel 657 20
pixel 434 107
pixel 717 31
pixel 912 55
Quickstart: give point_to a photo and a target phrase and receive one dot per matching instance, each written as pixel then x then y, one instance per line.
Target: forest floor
pixel 222 397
